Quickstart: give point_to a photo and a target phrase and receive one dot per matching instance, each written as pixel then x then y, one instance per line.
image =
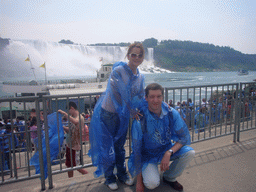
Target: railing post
pixel 47 145
pixel 40 148
pixel 238 117
pixel 166 95
pixel 13 148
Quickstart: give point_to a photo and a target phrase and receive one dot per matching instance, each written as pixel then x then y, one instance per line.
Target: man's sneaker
pixel 129 181
pixel 112 186
pixel 175 185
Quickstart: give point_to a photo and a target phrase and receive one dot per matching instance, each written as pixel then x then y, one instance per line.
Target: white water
pixel 61 60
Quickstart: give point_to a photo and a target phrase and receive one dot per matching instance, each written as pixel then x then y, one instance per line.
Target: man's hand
pixel 165 161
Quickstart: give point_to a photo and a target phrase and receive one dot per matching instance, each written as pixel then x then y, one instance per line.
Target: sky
pixel 220 22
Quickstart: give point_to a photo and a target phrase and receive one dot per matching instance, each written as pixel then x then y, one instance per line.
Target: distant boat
pixel 242 72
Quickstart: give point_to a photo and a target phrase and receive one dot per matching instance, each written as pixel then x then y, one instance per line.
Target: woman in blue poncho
pixel 111 115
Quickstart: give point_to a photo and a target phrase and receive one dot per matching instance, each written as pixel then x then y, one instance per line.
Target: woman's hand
pixel 136 114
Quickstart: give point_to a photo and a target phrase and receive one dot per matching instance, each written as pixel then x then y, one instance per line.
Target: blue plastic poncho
pixel 123 94
pixel 201 121
pixel 5 144
pixel 152 136
pixel 53 121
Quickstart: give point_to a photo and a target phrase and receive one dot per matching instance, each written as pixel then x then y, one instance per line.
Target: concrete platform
pixel 219 166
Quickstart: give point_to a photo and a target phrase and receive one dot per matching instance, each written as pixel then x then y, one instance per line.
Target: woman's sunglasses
pixel 134 55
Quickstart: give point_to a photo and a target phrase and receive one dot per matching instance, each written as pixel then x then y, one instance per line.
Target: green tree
pixel 66 41
pixel 152 42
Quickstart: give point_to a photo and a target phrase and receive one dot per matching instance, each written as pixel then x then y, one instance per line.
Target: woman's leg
pixel 120 158
pixel 111 122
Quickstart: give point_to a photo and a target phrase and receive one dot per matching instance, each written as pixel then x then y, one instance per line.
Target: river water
pixel 183 79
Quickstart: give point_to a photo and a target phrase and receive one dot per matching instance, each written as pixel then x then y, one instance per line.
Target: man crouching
pixel 152 143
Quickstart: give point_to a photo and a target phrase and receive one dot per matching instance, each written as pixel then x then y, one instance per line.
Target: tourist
pixel 152 144
pixel 6 144
pixel 171 103
pixel 109 124
pixel 190 104
pixel 73 137
pixel 179 108
pixel 204 103
pixel 186 111
pixel 220 110
pixel 33 132
pixel 21 129
pixel 201 120
pixel 213 114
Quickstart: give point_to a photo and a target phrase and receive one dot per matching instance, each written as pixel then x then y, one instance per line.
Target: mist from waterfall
pixel 61 60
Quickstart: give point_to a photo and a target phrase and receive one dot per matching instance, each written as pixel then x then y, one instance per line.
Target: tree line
pixel 179 55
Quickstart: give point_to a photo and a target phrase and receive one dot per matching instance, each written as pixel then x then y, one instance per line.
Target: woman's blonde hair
pixel 137 45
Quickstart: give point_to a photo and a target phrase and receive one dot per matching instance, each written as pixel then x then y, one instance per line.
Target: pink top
pixel 33 130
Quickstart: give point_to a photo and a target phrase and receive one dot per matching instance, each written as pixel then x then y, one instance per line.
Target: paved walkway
pixel 219 166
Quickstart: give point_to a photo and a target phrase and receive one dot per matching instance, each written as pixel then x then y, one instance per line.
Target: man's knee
pixel 152 184
pixel 151 177
pixel 191 154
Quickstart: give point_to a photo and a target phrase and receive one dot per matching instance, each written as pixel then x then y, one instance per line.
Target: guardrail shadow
pixel 222 152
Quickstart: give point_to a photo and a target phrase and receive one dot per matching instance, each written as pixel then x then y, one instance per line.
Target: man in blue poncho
pixel 152 144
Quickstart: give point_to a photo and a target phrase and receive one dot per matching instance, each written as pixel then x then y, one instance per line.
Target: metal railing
pixel 215 111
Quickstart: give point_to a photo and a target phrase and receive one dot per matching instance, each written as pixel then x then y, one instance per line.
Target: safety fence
pixel 210 111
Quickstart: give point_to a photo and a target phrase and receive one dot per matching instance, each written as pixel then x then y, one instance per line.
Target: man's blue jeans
pixel 112 122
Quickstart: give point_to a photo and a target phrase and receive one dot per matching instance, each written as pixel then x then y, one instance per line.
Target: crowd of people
pixel 27 140
pixel 215 111
pixel 13 137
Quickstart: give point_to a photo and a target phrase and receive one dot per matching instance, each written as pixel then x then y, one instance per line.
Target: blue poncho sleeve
pixel 180 132
pixel 54 126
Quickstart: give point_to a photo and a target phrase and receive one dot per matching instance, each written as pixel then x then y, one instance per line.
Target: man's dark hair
pixel 33 121
pixel 72 104
pixel 8 126
pixel 153 86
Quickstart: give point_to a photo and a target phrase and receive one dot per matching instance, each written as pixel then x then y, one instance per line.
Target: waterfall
pixel 61 60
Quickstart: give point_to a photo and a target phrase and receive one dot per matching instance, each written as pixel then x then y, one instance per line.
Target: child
pixel 73 137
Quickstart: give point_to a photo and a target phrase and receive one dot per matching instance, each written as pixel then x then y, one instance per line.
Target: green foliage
pixel 150 43
pixel 3 43
pixel 66 41
pixel 194 56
